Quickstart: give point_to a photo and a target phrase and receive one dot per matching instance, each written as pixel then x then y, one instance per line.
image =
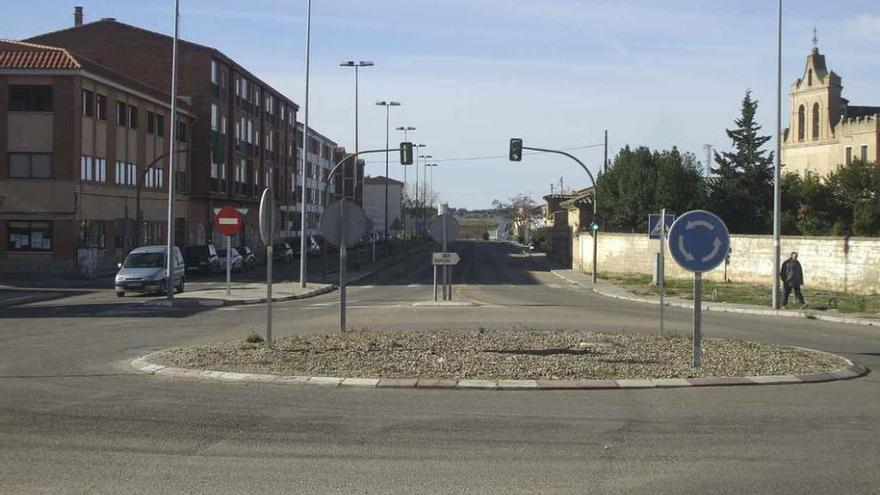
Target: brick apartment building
pixel 244 138
pixel 83 155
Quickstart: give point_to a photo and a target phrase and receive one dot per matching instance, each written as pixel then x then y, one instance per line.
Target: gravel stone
pixel 499 355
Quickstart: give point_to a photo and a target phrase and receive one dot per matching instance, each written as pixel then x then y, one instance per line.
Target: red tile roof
pixel 21 55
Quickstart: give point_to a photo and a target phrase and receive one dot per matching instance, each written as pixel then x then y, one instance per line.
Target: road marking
pixel 231 308
pixel 414 285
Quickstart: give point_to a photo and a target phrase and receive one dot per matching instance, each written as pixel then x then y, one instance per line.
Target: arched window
pixel 815 121
pixel 801 123
pixel 810 77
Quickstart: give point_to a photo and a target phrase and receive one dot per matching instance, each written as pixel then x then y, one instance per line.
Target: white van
pixel 144 270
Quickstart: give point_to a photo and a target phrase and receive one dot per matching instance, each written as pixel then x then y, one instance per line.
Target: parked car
pixel 249 257
pixel 145 270
pixel 282 252
pixel 202 258
pixel 237 261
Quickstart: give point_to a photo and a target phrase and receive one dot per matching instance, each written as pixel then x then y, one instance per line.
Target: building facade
pixel 374 203
pixel 83 162
pixel 825 130
pixel 244 138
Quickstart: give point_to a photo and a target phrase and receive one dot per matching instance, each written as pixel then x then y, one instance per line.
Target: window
pixel 119 233
pixel 154 178
pixel 101 106
pixel 215 117
pixel 97 169
pixel 151 122
pixel 30 98
pixel 160 125
pixel 86 169
pixel 863 153
pixel 126 174
pixel 88 103
pixel 810 77
pixel 133 116
pixel 29 236
pixel 30 165
pixel 121 117
pixel 848 158
pixel 801 123
pixel 237 132
pixel 223 125
pixel 215 72
pixel 181 132
pixel 92 234
pixel 815 121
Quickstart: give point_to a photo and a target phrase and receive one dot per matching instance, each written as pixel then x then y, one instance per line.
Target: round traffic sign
pixel 343 216
pixel 435 228
pixel 698 241
pixel 228 221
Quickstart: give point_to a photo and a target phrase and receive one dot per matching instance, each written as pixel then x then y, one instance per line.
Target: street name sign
pixel 445 259
pixel 654 224
pixel 228 221
pixel 699 241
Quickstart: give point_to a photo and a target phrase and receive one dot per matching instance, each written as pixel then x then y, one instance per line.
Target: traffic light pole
pixel 595 190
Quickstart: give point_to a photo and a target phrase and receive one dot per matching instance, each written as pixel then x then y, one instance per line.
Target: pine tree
pixel 742 192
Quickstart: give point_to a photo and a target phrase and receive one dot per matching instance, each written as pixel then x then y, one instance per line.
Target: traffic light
pixel 515 150
pixel 406 153
pixel 594 226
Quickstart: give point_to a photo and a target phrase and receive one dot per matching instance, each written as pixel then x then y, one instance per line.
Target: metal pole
pixel 777 227
pixel 595 240
pixel 698 317
pixel 445 271
pixel 662 267
pixel 228 265
pixel 387 140
pixel 171 260
pixel 305 150
pixel 435 282
pixel 605 161
pixel 269 290
pixel 343 251
pixel 416 195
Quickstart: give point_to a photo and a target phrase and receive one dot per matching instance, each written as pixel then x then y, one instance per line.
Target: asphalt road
pixel 74 418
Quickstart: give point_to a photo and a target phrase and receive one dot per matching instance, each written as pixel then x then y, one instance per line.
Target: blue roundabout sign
pixel 699 241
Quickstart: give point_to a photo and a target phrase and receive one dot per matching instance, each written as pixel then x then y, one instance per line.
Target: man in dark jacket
pixel 792 279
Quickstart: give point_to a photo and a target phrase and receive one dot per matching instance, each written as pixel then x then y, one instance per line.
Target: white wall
pixel 374 204
pixel 834 263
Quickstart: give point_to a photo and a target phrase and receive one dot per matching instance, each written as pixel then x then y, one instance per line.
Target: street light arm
pixel 563 153
pixel 353 157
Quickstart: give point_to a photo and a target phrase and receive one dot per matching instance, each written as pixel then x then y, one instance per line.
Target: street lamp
pixel 170 259
pixel 425 159
pixel 431 196
pixel 387 105
pixel 303 218
pixel 356 65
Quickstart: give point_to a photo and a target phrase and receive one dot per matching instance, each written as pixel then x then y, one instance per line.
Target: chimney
pixel 77 16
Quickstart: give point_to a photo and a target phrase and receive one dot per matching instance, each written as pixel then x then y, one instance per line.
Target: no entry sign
pixel 228 221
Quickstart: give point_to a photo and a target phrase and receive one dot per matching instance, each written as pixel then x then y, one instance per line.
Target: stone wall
pixel 835 263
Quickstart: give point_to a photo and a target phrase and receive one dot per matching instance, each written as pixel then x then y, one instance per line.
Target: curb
pixel 723 308
pixel 852 370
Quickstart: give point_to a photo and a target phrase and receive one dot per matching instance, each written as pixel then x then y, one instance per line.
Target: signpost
pixel 228 221
pixel 343 223
pixel 444 229
pixel 445 259
pixel 657 230
pixel 698 241
pixel 267 229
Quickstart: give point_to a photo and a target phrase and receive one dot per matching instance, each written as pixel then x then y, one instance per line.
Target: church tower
pixel 816 102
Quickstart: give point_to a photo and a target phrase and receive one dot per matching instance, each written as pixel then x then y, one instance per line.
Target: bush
pixel 254 338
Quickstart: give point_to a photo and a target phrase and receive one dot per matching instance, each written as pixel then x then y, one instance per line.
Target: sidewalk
pixel 255 292
pixel 608 289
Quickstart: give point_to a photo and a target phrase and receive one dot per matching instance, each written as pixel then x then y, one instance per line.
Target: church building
pixel 826 131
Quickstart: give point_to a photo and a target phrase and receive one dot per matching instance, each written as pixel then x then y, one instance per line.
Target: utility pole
pixel 605 161
pixel 709 153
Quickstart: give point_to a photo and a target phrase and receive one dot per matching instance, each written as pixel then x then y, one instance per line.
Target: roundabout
pixel 498 359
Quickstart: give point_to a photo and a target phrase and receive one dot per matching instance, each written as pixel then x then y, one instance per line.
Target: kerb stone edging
pixel 724 308
pixel 852 370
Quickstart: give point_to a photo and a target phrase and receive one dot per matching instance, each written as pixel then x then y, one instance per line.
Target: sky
pixel 471 74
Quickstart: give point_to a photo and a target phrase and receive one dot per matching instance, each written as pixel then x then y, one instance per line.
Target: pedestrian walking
pixel 792 276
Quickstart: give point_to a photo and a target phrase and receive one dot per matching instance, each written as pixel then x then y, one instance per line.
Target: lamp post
pixel 387 105
pixel 303 222
pixel 431 189
pixel 777 227
pixel 416 153
pixel 356 65
pixel 170 259
pixel 425 159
